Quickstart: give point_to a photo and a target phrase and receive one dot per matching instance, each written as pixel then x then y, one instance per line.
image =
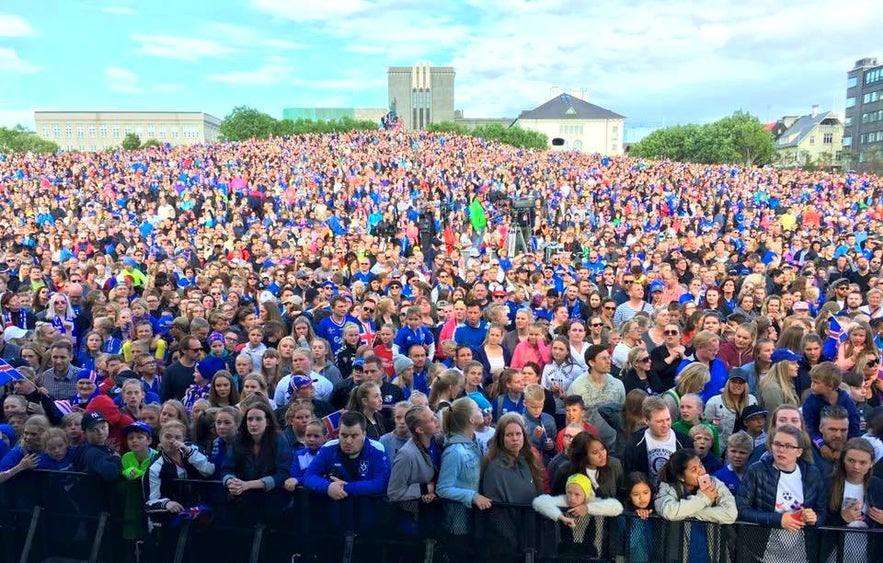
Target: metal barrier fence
pixel 55 516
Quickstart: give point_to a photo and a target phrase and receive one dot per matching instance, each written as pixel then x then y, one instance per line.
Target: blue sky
pixel 655 62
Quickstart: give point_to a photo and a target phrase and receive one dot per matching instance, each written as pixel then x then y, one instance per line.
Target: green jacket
pixel 477 216
pixel 134 470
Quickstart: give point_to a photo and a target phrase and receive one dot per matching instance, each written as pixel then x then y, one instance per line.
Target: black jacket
pixel 634 458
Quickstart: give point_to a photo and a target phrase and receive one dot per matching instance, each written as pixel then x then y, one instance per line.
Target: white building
pixel 99 130
pixel 575 124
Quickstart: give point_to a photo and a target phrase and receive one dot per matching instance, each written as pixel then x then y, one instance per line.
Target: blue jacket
pixel 472 336
pixel 373 473
pixel 98 460
pixel 812 415
pixel 756 498
pixel 460 470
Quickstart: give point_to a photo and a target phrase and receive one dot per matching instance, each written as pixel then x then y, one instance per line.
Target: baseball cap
pixel 753 410
pixel 500 293
pixel 302 381
pixel 138 427
pixel 302 275
pixel 91 420
pixel 800 306
pixel 784 354
pixel 738 373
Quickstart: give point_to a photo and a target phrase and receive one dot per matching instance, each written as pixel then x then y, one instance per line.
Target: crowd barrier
pixel 54 516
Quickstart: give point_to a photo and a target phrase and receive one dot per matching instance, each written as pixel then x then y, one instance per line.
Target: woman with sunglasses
pixel 637 373
pixel 665 359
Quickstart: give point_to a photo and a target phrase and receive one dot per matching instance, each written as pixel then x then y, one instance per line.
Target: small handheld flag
pixel 332 423
pixel 8 374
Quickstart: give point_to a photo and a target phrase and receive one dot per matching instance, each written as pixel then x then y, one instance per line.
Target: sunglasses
pixel 607 308
pixel 368 309
pixel 597 324
pixel 642 360
pixel 195 349
pixel 873 362
pixel 670 333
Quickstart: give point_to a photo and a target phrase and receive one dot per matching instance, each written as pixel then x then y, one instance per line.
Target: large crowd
pixel 371 313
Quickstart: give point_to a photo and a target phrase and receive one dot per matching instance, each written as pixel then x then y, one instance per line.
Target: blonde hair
pixel 779 378
pixel 534 392
pixel 458 416
pixel 692 378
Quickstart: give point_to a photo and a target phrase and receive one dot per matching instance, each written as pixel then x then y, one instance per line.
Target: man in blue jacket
pixel 94 457
pixel 351 465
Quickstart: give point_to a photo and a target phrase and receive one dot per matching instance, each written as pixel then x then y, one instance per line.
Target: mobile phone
pixel 705 481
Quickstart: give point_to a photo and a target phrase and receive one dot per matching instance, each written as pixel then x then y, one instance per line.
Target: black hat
pixel 91 420
pixel 753 410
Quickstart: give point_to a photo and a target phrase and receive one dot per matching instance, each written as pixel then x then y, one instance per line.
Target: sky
pixel 657 63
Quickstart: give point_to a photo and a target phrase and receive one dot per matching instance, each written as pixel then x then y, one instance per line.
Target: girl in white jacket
pixel 580 503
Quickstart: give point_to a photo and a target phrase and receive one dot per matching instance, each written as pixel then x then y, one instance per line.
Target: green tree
pixel 515 136
pixel 18 139
pixel 151 143
pixel 247 123
pixel 131 142
pixel 747 137
pixel 739 138
pixel 448 127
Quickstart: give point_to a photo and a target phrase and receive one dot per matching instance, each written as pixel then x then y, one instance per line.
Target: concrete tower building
pixel 421 94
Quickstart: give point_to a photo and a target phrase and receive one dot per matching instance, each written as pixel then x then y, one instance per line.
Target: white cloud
pixel 12 25
pixel 125 81
pixel 677 59
pixel 269 74
pixel 119 10
pixel 181 49
pixel 12 63
pixel 248 37
pixel 312 10
pixel 122 81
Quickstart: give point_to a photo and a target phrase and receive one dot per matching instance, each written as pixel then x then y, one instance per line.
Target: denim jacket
pixel 458 480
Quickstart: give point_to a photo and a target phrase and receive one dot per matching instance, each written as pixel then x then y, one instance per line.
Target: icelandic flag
pixel 191 513
pixel 332 423
pixel 8 374
pixel 836 335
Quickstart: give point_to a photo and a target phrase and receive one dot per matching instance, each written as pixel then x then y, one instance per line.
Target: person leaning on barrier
pixel 94 456
pixel 351 465
pixel 687 491
pixel 785 493
pixel 415 467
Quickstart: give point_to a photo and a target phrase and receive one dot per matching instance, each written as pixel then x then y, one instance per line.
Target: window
pixel 615 130
pixel 92 130
pixel 162 130
pixel 812 139
pixel 68 131
pixel 116 131
pixel 102 131
pixel 45 130
pixel 127 129
pixel 874 75
pixel 828 138
pixel 847 141
pixel 56 131
pixel 847 122
pixel 151 131
pixel 851 82
pixel 173 132
pixel 850 102
pixel 139 131
pixel 81 131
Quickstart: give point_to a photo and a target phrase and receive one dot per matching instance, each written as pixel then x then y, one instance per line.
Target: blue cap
pixel 785 355
pixel 138 427
pixel 656 286
pixel 302 381
pixel 480 400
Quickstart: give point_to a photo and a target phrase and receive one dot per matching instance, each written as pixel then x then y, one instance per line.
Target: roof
pixel 566 106
pixel 803 127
